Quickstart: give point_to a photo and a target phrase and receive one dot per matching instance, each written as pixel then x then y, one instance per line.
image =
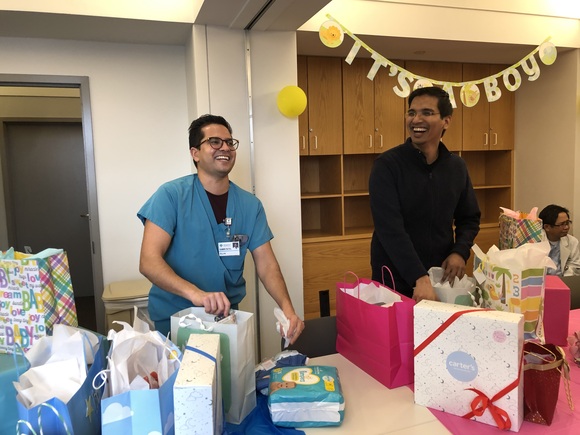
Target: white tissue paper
pixel 462 292
pixel 58 366
pixel 283 323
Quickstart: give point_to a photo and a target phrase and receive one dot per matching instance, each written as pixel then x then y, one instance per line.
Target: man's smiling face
pixel 426 126
pixel 213 162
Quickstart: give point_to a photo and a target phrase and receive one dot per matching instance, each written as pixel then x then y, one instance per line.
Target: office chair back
pixel 317 339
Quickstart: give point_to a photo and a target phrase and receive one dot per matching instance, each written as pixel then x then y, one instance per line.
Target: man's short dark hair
pixel 195 133
pixel 549 214
pixel 443 103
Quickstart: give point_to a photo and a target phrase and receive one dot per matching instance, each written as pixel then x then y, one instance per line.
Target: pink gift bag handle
pixel 357 281
pixel 390 273
pixel 383 276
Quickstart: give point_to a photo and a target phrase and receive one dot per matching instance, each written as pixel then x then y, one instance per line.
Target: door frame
pixel 82 83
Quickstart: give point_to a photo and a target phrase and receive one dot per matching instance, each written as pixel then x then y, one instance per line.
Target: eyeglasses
pixel 217 142
pixel 425 113
pixel 563 224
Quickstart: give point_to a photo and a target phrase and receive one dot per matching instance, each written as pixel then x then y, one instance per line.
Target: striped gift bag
pixel 514 281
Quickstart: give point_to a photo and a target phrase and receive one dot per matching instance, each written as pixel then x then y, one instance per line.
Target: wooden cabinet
pixel 321 123
pixel 325 264
pixel 491 173
pixel 373 118
pixel 488 126
pixel 321 196
pixel 448 72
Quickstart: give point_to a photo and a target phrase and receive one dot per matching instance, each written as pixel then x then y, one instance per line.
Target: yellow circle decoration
pixel 291 101
pixel 469 94
pixel 331 34
pixel 548 53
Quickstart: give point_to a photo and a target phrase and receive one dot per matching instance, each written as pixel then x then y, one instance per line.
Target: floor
pixel 86 312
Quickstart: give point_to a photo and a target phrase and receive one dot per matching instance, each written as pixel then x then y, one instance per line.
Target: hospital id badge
pixel 228 249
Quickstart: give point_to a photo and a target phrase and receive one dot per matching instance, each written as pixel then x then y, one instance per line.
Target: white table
pixel 373 409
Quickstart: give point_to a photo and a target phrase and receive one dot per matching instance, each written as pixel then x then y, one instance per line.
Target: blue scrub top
pixel 182 209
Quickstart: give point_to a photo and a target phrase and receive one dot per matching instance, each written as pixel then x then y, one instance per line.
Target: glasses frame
pixel 230 142
pixel 424 113
pixel 563 224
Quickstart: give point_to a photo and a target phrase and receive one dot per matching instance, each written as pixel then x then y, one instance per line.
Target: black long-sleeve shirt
pixel 415 207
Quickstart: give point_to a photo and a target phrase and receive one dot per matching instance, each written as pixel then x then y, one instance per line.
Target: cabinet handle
pixel 486 139
pixel 303 142
pixel 370 140
pixel 381 136
pixel 495 138
pixel 315 142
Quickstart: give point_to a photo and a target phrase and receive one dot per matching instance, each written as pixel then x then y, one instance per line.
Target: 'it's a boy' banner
pixel 332 35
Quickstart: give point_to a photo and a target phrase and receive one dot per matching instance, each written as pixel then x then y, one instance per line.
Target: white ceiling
pixel 264 15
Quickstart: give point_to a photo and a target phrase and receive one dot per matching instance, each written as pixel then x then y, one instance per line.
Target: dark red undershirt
pixel 218 204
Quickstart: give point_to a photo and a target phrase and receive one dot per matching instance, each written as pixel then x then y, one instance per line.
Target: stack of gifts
pixel 490 364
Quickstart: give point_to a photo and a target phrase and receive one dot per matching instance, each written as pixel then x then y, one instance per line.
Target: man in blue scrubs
pixel 197 230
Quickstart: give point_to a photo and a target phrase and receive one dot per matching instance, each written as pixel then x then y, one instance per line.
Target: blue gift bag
pixel 80 416
pixel 11 367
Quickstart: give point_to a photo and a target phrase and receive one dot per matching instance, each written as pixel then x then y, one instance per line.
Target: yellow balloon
pixel 291 101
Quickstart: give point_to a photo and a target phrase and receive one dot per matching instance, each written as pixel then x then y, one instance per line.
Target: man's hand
pixel 424 290
pixel 214 303
pixel 453 266
pixel 296 327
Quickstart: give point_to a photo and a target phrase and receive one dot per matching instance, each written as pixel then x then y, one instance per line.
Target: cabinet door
pixel 390 129
pixel 446 72
pixel 302 65
pixel 327 263
pixel 358 107
pixel 501 117
pixel 476 118
pixel 324 105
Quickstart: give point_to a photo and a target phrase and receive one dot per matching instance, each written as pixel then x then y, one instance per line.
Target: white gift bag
pixel 238 355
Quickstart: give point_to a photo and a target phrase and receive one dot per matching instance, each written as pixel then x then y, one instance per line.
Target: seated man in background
pixel 564 251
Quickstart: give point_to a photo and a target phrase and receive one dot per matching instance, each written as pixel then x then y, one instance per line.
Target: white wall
pixel 277 168
pixel 140 121
pixel 218 83
pixel 547 140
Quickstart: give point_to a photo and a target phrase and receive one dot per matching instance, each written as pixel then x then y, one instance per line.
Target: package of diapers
pixel 306 396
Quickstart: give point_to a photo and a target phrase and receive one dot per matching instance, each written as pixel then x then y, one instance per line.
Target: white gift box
pixel 463 355
pixel 197 394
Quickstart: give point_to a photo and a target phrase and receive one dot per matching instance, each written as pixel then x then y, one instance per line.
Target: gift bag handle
pixel 18 349
pixel 390 273
pixel 358 280
pixel 185 322
pixel 27 424
pixel 349 272
pixel 559 361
